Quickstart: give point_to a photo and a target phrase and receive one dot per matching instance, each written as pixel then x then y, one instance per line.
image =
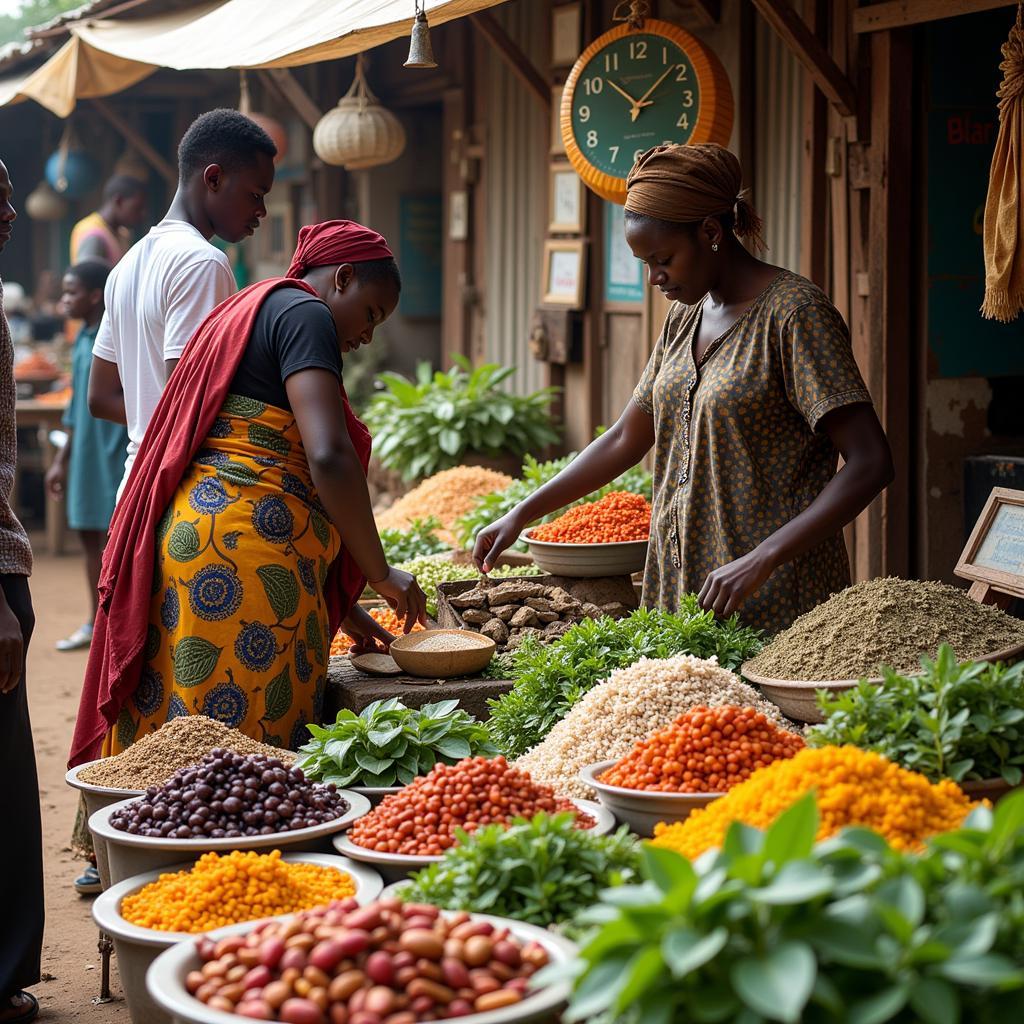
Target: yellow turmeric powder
pixel 240 886
pixel 852 787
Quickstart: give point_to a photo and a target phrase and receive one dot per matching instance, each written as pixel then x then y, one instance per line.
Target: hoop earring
pixel 714 247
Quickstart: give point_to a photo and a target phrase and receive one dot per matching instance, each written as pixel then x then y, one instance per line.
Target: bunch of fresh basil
pixel 957 721
pixel 543 871
pixel 388 744
pixel 775 928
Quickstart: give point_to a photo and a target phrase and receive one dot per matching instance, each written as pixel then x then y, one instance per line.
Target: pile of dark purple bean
pixel 227 796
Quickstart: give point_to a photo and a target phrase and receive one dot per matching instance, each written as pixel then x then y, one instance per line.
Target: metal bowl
pixel 133 855
pixel 136 947
pixel 395 867
pixel 641 809
pixel 622 558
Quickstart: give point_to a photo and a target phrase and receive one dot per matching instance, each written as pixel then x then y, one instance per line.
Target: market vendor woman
pixel 750 396
pixel 245 534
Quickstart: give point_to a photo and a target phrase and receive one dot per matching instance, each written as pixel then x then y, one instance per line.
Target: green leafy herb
pixel 493 506
pixel 543 871
pixel 549 680
pixel 418 540
pixel 424 426
pixel 775 928
pixel 957 721
pixel 388 744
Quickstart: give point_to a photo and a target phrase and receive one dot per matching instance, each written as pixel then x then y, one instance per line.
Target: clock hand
pixel 635 105
pixel 643 99
pixel 622 92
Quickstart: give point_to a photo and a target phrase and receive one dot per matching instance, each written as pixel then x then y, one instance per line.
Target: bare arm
pixel 169 365
pixel 106 395
pixel 615 451
pixel 341 485
pixel 867 470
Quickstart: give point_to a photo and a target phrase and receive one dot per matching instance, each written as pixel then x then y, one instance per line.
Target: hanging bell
pixel 421 54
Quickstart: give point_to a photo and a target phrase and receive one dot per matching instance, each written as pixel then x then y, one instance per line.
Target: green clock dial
pixel 636 92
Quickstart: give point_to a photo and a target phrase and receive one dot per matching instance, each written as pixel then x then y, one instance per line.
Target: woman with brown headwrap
pixel 749 398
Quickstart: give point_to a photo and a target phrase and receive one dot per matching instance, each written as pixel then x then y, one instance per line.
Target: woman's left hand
pixel 369 636
pixel 726 588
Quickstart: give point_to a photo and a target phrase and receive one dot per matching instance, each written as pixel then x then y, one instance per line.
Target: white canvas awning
pixel 105 55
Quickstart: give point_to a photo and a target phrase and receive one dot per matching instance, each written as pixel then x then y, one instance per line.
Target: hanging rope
pixel 632 12
pixel 244 100
pixel 1004 206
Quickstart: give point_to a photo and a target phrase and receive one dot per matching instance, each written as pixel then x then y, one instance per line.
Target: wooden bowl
pixel 587 560
pixel 443 664
pixel 988 789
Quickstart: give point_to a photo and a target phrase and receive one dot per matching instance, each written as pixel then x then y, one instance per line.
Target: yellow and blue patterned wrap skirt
pixel 238 627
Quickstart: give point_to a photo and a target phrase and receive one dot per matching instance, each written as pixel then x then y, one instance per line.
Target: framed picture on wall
pixel 567 214
pixel 565 35
pixel 565 267
pixel 557 146
pixel 623 272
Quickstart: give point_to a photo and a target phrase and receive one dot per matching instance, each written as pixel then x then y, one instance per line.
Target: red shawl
pixel 181 422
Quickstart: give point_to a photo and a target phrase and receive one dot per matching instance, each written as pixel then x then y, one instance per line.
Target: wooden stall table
pixel 44 416
pixel 347 687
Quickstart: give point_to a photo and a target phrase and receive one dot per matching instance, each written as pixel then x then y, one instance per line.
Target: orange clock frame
pixel 714 119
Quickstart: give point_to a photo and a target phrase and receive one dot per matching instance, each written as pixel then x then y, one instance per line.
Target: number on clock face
pixel 637 92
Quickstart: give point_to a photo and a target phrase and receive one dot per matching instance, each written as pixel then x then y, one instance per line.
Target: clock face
pixel 636 92
pixel 632 89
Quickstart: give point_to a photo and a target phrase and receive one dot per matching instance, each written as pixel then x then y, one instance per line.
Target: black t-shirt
pixel 293 331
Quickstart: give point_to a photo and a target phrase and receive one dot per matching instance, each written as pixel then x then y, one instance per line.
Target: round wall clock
pixel 632 89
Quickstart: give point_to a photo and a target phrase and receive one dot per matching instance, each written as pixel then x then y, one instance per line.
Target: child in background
pixel 87 470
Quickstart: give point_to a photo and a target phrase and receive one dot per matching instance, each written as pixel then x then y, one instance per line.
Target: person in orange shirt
pixel 106 234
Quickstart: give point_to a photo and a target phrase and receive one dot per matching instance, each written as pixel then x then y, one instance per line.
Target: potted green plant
pixel 462 416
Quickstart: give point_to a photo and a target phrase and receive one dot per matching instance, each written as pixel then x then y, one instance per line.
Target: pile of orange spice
pixel 617 517
pixel 342 642
pixel 705 750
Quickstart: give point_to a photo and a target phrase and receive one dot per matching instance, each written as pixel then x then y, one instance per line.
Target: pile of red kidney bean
pixel 385 963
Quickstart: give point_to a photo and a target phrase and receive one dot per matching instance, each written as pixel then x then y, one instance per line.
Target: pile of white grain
pixel 633 702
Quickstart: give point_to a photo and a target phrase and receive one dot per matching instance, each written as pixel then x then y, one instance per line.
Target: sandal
pixel 29 1012
pixel 87 884
pixel 81 638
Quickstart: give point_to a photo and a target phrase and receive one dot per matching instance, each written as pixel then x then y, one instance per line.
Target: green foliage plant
pixel 417 540
pixel 535 474
pixel 543 871
pixel 849 931
pixel 388 744
pixel 957 721
pixel 423 426
pixel 551 679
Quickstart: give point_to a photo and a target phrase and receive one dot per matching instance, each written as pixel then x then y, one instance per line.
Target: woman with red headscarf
pixel 251 479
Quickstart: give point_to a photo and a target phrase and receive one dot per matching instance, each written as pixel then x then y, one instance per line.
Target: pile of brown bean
pixel 385 963
pixel 227 796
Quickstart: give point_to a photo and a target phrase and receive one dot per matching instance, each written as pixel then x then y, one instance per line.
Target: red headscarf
pixel 334 242
pixel 181 422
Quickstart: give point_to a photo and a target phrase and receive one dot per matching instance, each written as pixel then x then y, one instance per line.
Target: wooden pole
pixel 510 52
pixel 901 13
pixel 156 161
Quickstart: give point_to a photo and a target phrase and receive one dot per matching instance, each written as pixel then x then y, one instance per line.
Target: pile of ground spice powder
pixel 888 621
pixel 181 742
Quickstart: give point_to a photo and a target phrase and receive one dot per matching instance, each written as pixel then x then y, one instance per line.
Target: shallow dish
pixel 166 980
pixel 442 664
pixel 375 664
pixel 622 558
pixel 132 855
pixel 395 867
pixel 137 947
pixel 640 809
pixel 96 798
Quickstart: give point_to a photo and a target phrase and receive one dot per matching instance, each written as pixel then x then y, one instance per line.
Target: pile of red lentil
pixel 617 517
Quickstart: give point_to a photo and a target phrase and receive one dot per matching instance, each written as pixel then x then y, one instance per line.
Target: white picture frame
pixel 567 201
pixel 566 22
pixel 564 281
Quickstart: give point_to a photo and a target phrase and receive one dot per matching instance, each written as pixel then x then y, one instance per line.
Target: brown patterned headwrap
pixel 685 184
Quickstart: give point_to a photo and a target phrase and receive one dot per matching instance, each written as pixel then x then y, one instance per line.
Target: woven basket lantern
pixel 359 132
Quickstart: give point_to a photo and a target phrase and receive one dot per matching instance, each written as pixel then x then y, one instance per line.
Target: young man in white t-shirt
pixel 168 282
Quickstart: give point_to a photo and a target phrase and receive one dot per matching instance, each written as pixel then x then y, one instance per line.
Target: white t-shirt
pixel 156 297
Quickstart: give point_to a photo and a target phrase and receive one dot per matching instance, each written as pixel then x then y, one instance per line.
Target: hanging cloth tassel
pixel 1004 208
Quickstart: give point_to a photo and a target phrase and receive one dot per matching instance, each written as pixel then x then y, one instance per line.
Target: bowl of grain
pixel 641 809
pixel 442 653
pixel 619 558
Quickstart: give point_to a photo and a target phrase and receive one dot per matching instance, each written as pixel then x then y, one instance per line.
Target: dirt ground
pixel 71 963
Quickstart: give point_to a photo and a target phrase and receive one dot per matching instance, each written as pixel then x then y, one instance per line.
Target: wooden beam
pixel 807 49
pixel 509 51
pixel 709 11
pixel 815 179
pixel 155 160
pixel 900 13
pixel 291 88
